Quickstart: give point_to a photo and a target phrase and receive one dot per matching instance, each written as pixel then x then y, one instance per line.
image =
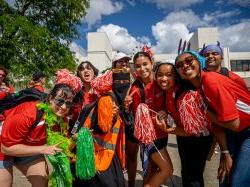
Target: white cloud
pixel 215 16
pixel 168 36
pixel 120 38
pixel 173 4
pixel 242 3
pixel 98 8
pixel 187 17
pixel 236 37
pixel 79 53
pixel 175 26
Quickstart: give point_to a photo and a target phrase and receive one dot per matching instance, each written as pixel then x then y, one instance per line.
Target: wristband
pixel 225 152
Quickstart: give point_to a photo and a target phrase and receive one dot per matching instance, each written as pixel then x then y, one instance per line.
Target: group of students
pixel 203 99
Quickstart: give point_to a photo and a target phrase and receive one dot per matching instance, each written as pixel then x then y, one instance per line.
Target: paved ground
pixel 175 180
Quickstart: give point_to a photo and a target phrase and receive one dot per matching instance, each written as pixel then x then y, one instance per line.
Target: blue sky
pixel 161 23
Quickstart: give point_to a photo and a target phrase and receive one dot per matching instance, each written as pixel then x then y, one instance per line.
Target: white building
pixel 100 52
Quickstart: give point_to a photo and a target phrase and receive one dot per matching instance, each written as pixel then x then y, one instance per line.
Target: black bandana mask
pixel 121 84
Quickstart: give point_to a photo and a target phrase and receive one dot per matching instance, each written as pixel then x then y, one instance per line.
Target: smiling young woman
pixel 23 145
pixel 228 107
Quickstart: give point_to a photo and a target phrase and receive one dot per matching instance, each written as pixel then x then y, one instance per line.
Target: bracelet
pixel 225 152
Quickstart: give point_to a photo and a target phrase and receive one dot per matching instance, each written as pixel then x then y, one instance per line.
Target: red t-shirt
pixel 155 99
pixel 87 99
pixel 237 79
pixel 227 98
pixel 16 128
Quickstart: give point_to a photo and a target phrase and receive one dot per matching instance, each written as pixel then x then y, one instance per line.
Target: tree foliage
pixel 34 35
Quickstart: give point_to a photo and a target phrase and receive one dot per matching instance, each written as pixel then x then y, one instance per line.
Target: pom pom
pixel 66 77
pixel 61 175
pixel 85 162
pixel 144 127
pixel 193 114
pixel 102 83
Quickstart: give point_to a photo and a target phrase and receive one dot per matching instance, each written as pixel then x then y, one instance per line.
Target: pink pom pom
pixel 193 114
pixel 144 127
pixel 102 83
pixel 64 76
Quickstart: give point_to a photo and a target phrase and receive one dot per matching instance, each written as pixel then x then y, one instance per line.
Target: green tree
pixel 35 35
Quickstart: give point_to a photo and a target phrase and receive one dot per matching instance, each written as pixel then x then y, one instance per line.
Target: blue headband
pixel 214 48
pixel 198 57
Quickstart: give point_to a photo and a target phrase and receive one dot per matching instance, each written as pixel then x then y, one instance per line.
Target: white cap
pixel 119 56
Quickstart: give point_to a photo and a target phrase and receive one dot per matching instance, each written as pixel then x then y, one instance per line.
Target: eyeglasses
pixel 3 75
pixel 60 102
pixel 188 61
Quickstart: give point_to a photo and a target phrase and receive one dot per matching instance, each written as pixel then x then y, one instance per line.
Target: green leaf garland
pixel 61 175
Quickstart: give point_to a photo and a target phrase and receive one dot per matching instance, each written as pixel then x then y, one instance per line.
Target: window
pixel 240 65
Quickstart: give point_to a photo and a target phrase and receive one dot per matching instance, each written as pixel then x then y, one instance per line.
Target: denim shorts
pixel 4 164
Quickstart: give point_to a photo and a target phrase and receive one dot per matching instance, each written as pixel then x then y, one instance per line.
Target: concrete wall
pixel 99 50
pixel 208 35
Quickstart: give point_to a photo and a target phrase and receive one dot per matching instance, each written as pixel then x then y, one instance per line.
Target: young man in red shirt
pixel 214 58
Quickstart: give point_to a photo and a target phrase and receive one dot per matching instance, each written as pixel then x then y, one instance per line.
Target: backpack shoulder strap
pixel 39 115
pixel 224 71
pixel 139 84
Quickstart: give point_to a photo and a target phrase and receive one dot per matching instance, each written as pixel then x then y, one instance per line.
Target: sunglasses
pixel 60 102
pixel 188 61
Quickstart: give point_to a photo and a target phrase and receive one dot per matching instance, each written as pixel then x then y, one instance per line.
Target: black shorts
pixel 159 144
pixel 129 134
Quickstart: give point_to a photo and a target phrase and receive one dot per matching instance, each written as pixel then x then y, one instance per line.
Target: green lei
pixel 61 175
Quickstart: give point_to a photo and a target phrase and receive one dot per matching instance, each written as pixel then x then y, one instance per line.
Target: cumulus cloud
pixel 168 36
pixel 214 17
pixel 180 24
pixel 172 28
pixel 173 4
pixel 79 53
pixel 101 8
pixel 242 3
pixel 120 38
pixel 187 17
pixel 236 37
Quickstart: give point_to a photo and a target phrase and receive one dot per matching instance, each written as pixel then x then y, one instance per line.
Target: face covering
pixel 121 84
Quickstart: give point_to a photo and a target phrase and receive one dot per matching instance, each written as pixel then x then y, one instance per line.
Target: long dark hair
pixel 79 96
pixel 140 54
pixel 80 68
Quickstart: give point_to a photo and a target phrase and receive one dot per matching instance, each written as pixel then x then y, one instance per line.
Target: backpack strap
pixel 39 115
pixel 224 71
pixel 94 117
pixel 140 85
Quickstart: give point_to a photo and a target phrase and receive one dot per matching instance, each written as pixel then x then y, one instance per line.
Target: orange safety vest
pixel 106 144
